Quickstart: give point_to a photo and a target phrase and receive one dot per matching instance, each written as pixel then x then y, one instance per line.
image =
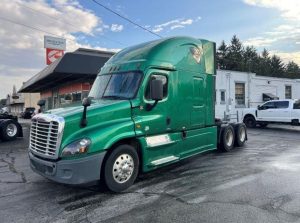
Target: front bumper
pixel 78 171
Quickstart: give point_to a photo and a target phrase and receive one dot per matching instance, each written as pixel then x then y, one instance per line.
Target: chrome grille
pixel 45 135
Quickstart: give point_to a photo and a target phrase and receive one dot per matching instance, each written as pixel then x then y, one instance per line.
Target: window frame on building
pixel 222 91
pixel 243 95
pixel 288 93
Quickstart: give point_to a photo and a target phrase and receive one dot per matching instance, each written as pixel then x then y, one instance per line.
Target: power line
pixel 33 28
pixel 125 18
pixel 44 14
pixel 54 18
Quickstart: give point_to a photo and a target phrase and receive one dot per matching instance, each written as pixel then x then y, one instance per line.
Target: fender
pixel 249 111
pixel 103 137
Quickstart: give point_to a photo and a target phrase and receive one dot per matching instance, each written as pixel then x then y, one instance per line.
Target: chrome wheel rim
pixel 123 168
pixel 229 138
pixel 242 134
pixel 11 130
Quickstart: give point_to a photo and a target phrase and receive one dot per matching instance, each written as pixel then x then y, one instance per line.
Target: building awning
pixel 82 64
pixel 269 96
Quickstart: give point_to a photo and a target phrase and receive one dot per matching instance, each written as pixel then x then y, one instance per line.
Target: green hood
pixel 102 115
pixel 75 108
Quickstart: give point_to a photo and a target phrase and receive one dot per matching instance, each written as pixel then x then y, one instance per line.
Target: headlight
pixel 78 147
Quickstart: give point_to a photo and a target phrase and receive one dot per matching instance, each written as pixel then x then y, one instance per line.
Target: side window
pixel 281 104
pixel 157 77
pixel 268 105
pixel 297 104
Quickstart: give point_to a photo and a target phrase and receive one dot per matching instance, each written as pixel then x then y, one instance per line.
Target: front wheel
pixel 121 168
pixel 9 130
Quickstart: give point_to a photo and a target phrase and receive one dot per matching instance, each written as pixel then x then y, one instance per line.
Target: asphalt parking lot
pixel 257 183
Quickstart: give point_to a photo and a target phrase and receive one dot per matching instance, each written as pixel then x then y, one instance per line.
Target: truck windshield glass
pixel 116 86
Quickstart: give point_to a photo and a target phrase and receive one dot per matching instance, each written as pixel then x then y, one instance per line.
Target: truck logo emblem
pixel 196 53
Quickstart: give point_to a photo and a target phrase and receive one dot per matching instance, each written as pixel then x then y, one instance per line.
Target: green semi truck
pixel 151 105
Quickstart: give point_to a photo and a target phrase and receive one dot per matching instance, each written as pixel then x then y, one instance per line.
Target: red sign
pixel 52 55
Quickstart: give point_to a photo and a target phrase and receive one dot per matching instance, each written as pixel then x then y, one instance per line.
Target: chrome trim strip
pixel 164 160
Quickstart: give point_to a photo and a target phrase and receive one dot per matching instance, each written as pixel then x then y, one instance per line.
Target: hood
pixel 100 115
pixel 73 109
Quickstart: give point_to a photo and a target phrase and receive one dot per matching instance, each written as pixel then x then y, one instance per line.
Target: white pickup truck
pixel 274 111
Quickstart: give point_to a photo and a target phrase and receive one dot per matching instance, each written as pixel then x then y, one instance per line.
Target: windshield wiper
pixel 116 97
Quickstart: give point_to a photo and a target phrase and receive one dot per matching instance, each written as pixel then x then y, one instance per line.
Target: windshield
pixel 116 86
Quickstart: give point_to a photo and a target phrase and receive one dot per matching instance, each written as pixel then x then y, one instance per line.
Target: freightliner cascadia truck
pixel 151 105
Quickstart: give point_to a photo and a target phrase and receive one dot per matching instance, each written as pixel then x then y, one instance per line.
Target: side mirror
pixel 41 102
pixel 156 90
pixel 258 107
pixel 86 102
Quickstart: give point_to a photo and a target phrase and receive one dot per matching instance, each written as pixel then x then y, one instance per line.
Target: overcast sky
pixel 273 24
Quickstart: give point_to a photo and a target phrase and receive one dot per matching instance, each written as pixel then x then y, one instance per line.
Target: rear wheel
pixel 295 122
pixel 9 130
pixel 250 121
pixel 227 139
pixel 240 135
pixel 121 168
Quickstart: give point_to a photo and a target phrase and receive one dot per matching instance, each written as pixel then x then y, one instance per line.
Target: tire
pixel 250 121
pixel 227 139
pixel 240 134
pixel 295 122
pixel 9 130
pixel 263 125
pixel 123 158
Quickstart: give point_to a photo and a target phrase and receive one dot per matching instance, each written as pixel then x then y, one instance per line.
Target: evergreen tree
pixel 250 59
pixel 264 65
pixel 236 57
pixel 277 67
pixel 292 70
pixel 222 52
pixel 235 54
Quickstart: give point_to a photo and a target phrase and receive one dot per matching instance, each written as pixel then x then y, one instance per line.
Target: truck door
pixel 157 120
pixel 265 112
pixel 198 107
pixel 281 112
pixel 295 112
pixel 156 126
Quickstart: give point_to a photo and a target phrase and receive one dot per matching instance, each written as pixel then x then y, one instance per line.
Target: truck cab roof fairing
pixel 183 53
